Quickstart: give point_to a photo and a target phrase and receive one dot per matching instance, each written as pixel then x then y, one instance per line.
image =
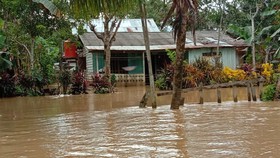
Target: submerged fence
pixel 250 84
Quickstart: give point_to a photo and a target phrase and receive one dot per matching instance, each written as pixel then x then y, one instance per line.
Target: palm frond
pixel 180 7
pixel 93 8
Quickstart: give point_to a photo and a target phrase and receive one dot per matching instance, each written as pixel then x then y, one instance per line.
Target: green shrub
pixel 160 83
pixel 101 84
pixel 269 92
pixel 7 85
pixel 171 55
pixel 65 80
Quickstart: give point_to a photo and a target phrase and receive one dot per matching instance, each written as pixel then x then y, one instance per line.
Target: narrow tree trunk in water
pixel 148 53
pixel 178 73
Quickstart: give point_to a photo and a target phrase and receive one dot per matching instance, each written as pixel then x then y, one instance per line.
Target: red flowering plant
pixel 100 84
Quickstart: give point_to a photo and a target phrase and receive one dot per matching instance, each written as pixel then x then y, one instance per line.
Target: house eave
pixel 152 47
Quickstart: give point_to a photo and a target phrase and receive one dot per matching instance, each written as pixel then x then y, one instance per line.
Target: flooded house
pixel 128 62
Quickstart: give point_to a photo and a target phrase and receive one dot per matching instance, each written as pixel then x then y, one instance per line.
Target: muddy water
pixel 113 126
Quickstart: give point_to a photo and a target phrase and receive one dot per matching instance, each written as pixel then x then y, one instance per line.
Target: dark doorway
pixel 159 62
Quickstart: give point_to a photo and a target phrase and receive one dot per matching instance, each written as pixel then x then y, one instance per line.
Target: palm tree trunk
pixel 178 73
pixel 148 53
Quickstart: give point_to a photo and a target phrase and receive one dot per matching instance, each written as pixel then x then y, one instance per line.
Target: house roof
pixel 159 41
pixel 127 25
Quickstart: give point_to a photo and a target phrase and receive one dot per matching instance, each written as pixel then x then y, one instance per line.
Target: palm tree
pixel 185 13
pixel 110 11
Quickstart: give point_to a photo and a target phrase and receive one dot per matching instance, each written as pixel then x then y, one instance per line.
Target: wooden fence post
pixel 253 89
pixel 234 91
pixel 261 81
pixel 249 91
pixel 200 93
pixel 219 98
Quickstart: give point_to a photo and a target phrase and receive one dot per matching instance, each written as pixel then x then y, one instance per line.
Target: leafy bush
pixel 78 83
pixel 101 84
pixel 269 92
pixel 164 80
pixel 218 76
pixel 248 69
pixel 171 55
pixel 7 85
pixel 113 79
pixel 234 75
pixel 205 67
pixel 25 84
pixel 267 71
pixel 192 76
pixel 65 79
pixel 39 81
pixel 160 83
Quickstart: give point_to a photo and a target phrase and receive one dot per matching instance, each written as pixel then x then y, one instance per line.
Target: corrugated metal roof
pixel 127 25
pixel 159 41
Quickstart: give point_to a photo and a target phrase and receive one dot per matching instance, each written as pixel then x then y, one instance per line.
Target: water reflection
pixel 97 126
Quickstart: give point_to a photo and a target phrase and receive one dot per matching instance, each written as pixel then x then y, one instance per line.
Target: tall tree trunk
pixel 217 56
pixel 107 49
pixel 267 53
pixel 148 53
pixel 252 18
pixel 253 44
pixel 107 37
pixel 107 60
pixel 178 73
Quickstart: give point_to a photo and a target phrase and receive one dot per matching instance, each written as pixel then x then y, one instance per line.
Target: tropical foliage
pixel 101 84
pixel 269 92
pixel 203 71
pixel 31 33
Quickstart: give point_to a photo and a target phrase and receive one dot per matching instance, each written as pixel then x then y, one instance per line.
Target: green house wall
pixel 228 58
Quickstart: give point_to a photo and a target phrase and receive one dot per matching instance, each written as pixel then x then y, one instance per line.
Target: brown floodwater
pixel 112 125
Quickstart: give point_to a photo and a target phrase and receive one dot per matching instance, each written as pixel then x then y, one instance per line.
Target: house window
pixel 210 56
pixel 118 60
pixel 126 63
